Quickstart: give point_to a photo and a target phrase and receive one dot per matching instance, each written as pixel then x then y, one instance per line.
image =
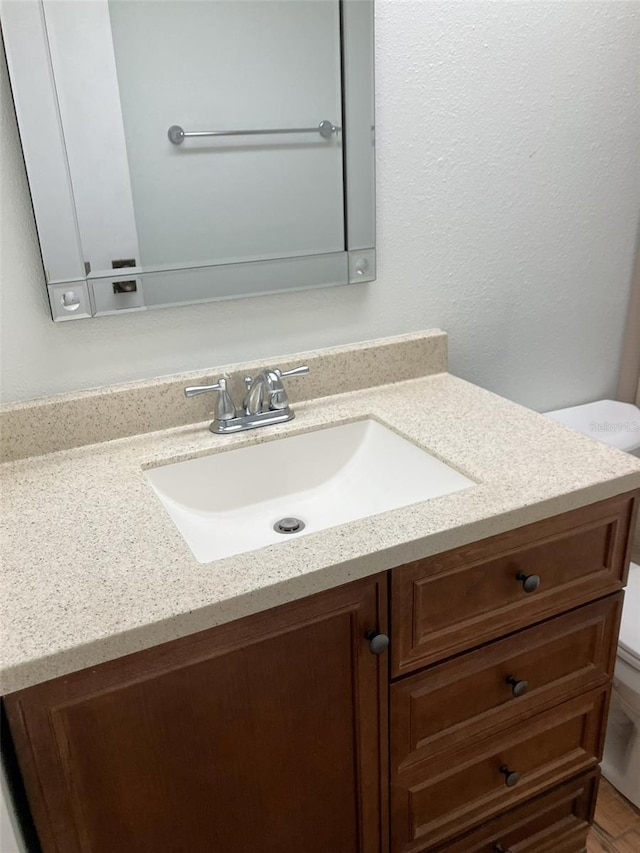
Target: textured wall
pixel 508 204
pixel 10 839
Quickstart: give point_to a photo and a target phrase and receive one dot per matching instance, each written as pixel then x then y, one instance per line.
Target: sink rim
pixel 357 489
pixel 239 441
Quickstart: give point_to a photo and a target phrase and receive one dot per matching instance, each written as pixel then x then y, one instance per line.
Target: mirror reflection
pixel 198 136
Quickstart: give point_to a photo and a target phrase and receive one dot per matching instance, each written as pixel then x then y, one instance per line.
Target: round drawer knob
pixel 518 688
pixel 498 848
pixel 511 778
pixel 530 583
pixel 378 643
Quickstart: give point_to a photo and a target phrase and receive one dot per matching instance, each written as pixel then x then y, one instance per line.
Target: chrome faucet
pixel 265 402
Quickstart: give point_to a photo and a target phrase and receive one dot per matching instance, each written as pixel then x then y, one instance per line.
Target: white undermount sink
pixel 228 502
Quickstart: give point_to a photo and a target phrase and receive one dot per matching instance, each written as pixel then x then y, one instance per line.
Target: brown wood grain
pixel 439 798
pixel 260 735
pixel 454 601
pixel 555 822
pixel 469 697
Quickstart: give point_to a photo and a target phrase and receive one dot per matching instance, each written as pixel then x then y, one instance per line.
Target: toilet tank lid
pixel 630 627
pixel 609 421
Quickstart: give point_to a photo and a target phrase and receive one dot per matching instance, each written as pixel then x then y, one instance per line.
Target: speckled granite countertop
pixel 93 567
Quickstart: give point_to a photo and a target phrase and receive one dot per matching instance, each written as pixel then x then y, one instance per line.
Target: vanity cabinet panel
pixel 264 734
pixel 439 798
pixel 271 733
pixel 557 822
pixel 472 696
pixel 462 598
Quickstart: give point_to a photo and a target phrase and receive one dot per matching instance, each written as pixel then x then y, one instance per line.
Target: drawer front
pixel 480 693
pixel 460 599
pixel 439 799
pixel 557 822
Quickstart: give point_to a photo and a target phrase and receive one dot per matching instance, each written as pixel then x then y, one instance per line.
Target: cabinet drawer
pixel 438 799
pixel 557 822
pixel 472 697
pixel 445 604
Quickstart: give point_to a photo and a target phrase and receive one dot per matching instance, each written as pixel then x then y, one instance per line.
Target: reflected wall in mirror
pixel 181 151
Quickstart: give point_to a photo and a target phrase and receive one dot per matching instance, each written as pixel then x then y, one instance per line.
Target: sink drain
pixel 289 525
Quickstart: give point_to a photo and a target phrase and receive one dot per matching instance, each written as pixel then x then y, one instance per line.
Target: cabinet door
pixel 264 734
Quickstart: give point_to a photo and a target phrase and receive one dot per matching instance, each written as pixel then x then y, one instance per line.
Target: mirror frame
pixel 77 293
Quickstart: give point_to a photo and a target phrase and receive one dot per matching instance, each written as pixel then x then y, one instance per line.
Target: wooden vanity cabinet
pixel 260 735
pixel 271 735
pixel 502 658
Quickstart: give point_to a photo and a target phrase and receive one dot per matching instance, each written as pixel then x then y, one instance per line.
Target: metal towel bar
pixel 177 134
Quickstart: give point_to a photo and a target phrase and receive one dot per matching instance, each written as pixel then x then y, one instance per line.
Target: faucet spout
pixel 265 393
pixel 265 402
pixel 253 401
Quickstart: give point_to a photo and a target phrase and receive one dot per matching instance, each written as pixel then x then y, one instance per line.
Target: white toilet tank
pixel 609 421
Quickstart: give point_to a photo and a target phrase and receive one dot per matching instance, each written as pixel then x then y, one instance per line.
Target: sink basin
pixel 228 503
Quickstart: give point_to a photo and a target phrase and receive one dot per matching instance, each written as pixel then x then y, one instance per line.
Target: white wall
pixel 508 204
pixel 10 836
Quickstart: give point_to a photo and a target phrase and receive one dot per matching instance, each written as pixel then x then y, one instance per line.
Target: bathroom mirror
pixel 183 151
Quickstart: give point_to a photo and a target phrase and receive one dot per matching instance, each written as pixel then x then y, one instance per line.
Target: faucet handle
pixel 278 396
pixel 295 371
pixel 225 409
pixel 194 390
